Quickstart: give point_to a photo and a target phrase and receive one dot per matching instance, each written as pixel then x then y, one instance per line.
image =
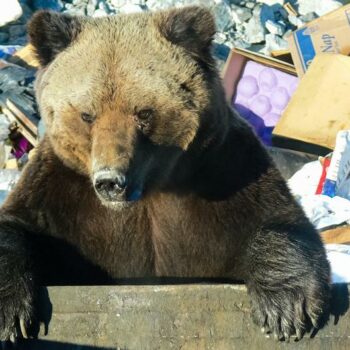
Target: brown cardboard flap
pixel 327 34
pixel 25 57
pixel 339 235
pixel 320 106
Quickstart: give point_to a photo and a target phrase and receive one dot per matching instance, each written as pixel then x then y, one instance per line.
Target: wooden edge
pixel 192 316
pixel 22 117
pixel 338 235
pixel 22 129
pixel 25 56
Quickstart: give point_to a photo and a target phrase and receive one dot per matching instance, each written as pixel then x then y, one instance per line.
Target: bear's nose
pixel 109 184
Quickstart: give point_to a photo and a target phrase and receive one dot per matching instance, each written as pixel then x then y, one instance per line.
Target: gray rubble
pixel 320 7
pixel 259 25
pixel 10 10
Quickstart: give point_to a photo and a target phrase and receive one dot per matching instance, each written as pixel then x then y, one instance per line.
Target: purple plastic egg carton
pixel 262 95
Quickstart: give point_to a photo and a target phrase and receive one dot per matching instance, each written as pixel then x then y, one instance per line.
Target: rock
pixel 91 7
pixel 26 14
pixel 257 48
pixel 221 51
pixel 283 13
pixel 117 4
pixel 272 2
pixel 10 10
pixel 241 43
pixel 268 13
pixel 130 8
pixel 236 2
pixel 220 38
pixel 75 11
pixel 287 34
pixel 296 21
pixel 250 5
pixel 55 5
pixel 274 42
pixel 20 41
pixel 320 7
pixel 3 38
pixel 4 127
pixel 275 28
pixel 223 15
pixel 309 17
pixel 80 3
pixel 240 14
pixel 16 31
pixel 158 5
pixel 99 13
pixel 254 31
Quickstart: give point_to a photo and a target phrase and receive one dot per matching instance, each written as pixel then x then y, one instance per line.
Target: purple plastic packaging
pixel 23 146
pixel 262 95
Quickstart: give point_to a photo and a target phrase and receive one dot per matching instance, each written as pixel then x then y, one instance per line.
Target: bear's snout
pixel 110 185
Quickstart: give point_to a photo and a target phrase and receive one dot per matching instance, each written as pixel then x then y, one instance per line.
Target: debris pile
pixel 260 25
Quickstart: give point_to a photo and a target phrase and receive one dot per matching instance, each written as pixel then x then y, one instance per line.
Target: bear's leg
pixel 288 280
pixel 18 288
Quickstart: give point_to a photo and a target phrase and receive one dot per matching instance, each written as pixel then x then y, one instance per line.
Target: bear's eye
pixel 145 114
pixel 88 118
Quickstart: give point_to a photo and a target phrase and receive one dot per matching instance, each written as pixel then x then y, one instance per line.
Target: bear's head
pixel 125 98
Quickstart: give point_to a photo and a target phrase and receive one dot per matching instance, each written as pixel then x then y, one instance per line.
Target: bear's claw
pixel 289 313
pixel 23 328
pixel 17 310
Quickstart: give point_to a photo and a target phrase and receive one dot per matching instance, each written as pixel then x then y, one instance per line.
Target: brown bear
pixel 146 172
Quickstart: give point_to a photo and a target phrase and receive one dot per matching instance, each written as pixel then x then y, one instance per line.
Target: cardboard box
pixel 258 94
pixel 327 34
pixel 319 108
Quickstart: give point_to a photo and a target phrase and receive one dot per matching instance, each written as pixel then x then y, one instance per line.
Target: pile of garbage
pixel 299 103
pixel 259 25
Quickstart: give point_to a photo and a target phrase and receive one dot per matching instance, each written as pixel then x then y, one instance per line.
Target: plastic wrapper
pixel 8 180
pixel 339 257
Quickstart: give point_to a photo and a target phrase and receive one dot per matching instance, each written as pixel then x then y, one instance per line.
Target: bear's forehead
pixel 122 58
pixel 135 38
pixel 127 47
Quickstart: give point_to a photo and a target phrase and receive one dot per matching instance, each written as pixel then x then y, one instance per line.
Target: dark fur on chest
pixel 165 234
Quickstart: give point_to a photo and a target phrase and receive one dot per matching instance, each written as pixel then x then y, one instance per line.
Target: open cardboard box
pixel 263 106
pixel 237 60
pixel 231 76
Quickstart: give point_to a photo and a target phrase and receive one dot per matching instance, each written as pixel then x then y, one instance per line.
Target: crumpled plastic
pixel 305 181
pixel 324 211
pixel 339 258
pixel 8 180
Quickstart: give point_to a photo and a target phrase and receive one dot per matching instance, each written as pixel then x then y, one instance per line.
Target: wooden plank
pixel 22 129
pixel 25 57
pixel 193 316
pixel 24 116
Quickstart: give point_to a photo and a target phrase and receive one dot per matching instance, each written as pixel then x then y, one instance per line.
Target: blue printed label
pixel 305 47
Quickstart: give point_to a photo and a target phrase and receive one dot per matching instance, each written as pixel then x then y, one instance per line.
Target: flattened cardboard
pixel 338 235
pixel 319 108
pixel 327 34
pixel 25 57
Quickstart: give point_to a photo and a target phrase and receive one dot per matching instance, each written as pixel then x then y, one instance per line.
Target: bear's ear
pixel 191 27
pixel 51 32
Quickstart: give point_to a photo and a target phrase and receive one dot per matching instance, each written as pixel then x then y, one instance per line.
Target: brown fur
pixel 139 95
